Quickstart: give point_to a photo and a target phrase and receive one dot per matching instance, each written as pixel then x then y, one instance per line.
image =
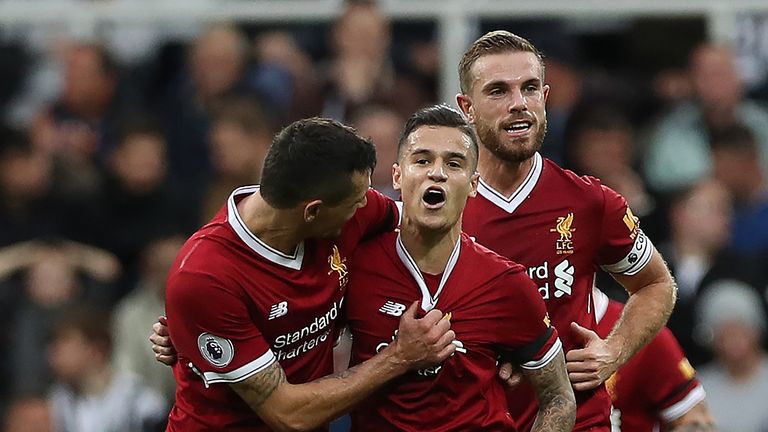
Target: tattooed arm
pixel 697 419
pixel 295 407
pixel 557 404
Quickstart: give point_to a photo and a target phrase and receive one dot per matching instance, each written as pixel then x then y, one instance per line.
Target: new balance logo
pixel 392 308
pixel 278 310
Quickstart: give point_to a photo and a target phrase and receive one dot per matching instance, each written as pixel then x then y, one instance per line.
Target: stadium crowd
pixel 110 159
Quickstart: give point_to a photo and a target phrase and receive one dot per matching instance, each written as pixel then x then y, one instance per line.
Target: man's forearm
pixel 284 406
pixel 650 303
pixel 557 404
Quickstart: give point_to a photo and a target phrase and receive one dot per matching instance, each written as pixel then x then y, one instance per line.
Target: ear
pixel 396 176
pixel 465 104
pixel 546 92
pixel 473 184
pixel 312 210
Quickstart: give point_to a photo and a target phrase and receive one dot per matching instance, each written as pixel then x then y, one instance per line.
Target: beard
pixel 517 150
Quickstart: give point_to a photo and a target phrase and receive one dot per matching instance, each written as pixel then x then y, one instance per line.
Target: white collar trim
pixel 257 245
pixel 428 301
pixel 512 202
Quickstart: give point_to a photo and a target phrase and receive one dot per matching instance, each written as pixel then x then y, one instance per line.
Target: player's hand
pixel 161 342
pixel 590 366
pixel 510 375
pixel 423 342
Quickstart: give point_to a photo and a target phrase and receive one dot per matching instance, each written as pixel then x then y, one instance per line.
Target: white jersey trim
pixel 637 258
pixel 686 404
pixel 512 202
pixel 236 222
pixel 428 301
pixel 241 373
pixel 601 304
pixel 546 358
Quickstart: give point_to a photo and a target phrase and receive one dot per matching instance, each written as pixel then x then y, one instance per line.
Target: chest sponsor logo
pixel 564 227
pixel 562 285
pixel 292 344
pixel 218 351
pixel 277 310
pixel 338 265
pixel 392 308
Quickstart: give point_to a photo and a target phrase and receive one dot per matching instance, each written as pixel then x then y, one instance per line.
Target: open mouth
pixel 520 127
pixel 434 197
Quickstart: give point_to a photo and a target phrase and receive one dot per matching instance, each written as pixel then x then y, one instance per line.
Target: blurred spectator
pixel 383 126
pixel 736 163
pixel 678 153
pixel 216 69
pixel 240 137
pixel 700 224
pixel 360 71
pixel 29 414
pixel 601 144
pixel 564 75
pixel 136 203
pixel 88 395
pixel 49 276
pixel 136 313
pixel 80 127
pixel 27 206
pixel 731 318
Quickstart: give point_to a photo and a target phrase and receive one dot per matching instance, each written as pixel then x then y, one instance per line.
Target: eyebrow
pixel 502 83
pixel 446 155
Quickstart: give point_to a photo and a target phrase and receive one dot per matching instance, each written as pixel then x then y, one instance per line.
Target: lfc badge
pixel 564 227
pixel 338 264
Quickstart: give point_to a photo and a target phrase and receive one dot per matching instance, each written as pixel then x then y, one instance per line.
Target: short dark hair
pixel 314 159
pixel 91 322
pixel 736 138
pixel 438 115
pixel 495 42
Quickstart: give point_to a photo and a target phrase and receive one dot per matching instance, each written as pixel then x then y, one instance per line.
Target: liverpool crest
pixel 564 227
pixel 338 265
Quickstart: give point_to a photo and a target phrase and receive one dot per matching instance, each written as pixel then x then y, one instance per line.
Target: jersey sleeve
pixel 211 328
pixel 379 215
pixel 528 339
pixel 624 248
pixel 672 387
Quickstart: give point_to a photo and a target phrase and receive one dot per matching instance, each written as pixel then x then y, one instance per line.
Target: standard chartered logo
pixel 564 282
pixel 563 274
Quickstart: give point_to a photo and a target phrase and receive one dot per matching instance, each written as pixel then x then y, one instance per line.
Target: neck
pixel 96 382
pixel 275 227
pixel 745 369
pixel 503 176
pixel 692 248
pixel 430 249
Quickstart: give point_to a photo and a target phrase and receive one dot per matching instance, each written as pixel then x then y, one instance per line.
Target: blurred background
pixel 126 123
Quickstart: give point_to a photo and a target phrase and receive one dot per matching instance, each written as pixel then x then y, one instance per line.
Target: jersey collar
pixel 512 202
pixel 428 301
pixel 292 261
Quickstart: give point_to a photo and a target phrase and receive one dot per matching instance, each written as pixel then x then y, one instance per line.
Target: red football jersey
pixel 236 305
pixel 562 227
pixel 654 387
pixel 494 310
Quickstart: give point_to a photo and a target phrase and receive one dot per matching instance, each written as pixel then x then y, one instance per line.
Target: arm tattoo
pixel 258 388
pixel 557 406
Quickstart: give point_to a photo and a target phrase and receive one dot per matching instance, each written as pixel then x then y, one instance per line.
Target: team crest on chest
pixel 338 265
pixel 564 227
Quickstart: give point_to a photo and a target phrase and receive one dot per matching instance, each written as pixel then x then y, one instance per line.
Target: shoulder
pixel 491 262
pixel 570 184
